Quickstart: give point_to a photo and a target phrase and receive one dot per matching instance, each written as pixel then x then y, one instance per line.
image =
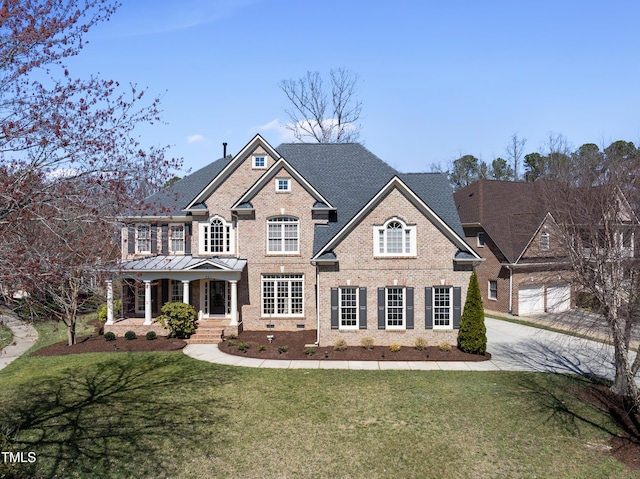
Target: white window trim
pixel 289 278
pixel 383 228
pixel 357 306
pixel 450 325
pixel 143 225
pixel 254 164
pixel 170 237
pixel 492 298
pixel 481 243
pixel 288 183
pixel 204 229
pixel 281 251
pixel 403 326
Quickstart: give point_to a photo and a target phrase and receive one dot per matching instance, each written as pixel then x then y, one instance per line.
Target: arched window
pixel 216 236
pixel 394 238
pixel 283 235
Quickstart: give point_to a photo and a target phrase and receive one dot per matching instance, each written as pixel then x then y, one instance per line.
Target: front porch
pixel 209 284
pixel 210 331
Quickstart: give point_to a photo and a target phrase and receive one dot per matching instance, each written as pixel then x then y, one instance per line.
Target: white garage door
pixel 530 300
pixel 558 298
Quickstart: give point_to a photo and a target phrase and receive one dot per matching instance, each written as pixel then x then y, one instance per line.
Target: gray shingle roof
pixel 170 201
pixel 346 174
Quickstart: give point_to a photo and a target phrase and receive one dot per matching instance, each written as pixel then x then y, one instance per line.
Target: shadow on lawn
pixel 111 419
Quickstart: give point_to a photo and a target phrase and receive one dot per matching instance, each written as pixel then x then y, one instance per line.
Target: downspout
pixel 317 305
pixel 510 290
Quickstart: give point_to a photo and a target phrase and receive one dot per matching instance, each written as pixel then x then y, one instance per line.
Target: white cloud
pixel 285 135
pixel 195 139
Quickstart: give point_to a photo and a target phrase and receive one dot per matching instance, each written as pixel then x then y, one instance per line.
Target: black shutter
pixel 362 314
pixel 428 308
pixel 457 306
pixel 165 239
pixel 334 309
pixel 131 239
pixel 165 292
pixel 187 238
pixel 154 238
pixel 409 308
pixel 381 309
pixel 154 298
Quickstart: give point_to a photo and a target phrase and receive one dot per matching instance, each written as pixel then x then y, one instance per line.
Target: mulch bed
pixel 297 340
pixel 626 447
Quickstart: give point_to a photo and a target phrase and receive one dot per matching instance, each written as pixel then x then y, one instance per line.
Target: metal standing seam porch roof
pixel 166 263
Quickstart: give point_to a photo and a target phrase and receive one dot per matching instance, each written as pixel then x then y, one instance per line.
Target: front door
pixel 216 298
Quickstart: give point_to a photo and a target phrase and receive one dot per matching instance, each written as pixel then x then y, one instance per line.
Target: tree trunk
pixel 71 333
pixel 624 382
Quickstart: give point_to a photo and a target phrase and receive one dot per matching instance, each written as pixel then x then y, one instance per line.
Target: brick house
pixel 325 237
pixel 524 269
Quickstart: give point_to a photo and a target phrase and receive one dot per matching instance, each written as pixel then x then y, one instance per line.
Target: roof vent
pixel 224 150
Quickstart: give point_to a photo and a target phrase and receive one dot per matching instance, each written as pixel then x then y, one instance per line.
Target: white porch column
pixel 234 303
pixel 185 292
pixel 110 302
pixel 147 302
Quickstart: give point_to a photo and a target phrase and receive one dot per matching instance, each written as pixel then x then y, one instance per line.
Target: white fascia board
pixel 544 220
pixel 241 156
pixel 396 182
pixel 270 174
pixel 154 218
pixel 210 263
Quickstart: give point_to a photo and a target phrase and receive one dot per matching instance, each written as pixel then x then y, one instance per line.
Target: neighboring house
pixel 325 237
pixel 525 269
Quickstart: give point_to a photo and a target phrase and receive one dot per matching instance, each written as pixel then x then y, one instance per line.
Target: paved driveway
pixel 523 348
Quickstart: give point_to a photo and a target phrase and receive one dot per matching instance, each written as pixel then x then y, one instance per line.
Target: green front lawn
pixel 165 415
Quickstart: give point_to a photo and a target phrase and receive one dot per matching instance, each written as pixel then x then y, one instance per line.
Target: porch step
pixel 207 334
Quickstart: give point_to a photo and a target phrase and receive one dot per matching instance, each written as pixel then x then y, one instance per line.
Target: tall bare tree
pixel 320 113
pixel 594 205
pixel 515 150
pixel 69 155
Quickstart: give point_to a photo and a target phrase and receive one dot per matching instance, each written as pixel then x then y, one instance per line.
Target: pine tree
pixel 472 337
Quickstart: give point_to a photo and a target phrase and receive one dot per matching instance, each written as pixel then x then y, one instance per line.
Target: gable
pixel 411 202
pixel 236 177
pixel 280 169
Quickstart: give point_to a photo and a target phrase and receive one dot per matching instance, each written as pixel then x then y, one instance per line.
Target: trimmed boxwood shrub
pixel 151 335
pixel 109 336
pixel 130 335
pixel 472 337
pixel 180 318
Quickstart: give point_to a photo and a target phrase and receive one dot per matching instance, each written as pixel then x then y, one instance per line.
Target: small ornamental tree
pixel 180 318
pixel 472 337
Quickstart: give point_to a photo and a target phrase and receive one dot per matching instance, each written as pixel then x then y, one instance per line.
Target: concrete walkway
pixel 24 336
pixel 513 347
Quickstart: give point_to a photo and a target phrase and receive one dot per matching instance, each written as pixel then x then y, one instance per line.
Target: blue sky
pixel 438 79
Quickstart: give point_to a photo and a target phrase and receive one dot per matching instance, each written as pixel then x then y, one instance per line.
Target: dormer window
pixel 259 161
pixel 283 185
pixel 394 238
pixel 216 236
pixel 544 241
